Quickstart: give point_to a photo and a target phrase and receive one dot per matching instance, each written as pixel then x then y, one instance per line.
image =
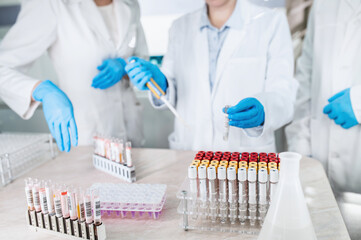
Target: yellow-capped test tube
pixel 253 165
pixel 223 165
pixel 195 165
pixel 204 164
pixel 261 164
pixel 214 165
pixel 243 165
pixel 205 161
pixel 214 162
pixel 196 161
pixel 224 162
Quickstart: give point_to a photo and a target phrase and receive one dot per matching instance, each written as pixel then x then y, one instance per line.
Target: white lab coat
pixel 77 40
pixel 330 62
pixel 256 61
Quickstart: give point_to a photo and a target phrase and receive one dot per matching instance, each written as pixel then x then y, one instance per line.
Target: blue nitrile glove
pixel 340 109
pixel 248 113
pixel 59 115
pixel 111 72
pixel 141 71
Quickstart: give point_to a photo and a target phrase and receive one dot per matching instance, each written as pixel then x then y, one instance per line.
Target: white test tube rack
pixel 64 228
pixel 115 169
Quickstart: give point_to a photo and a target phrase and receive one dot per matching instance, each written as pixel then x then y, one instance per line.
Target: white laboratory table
pixel 157 166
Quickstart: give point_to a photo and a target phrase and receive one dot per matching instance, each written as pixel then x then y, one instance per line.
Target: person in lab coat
pixel 87 42
pixel 227 53
pixel 328 107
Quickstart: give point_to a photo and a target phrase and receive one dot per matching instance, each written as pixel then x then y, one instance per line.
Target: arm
pixel 169 71
pixel 298 132
pixel 27 40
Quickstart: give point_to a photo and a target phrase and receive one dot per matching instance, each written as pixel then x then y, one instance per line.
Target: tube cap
pixel 242 174
pixel 222 173
pixel 273 175
pixel 192 172
pixel 262 175
pixel 211 172
pixel 252 174
pixel 231 173
pixel 202 172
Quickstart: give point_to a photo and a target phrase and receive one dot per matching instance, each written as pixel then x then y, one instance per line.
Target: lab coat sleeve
pixel 31 35
pixel 355 95
pixel 280 86
pixel 168 69
pixel 298 133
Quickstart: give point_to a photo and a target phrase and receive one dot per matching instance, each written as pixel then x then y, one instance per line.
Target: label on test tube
pixel 202 174
pixel 29 194
pixel 43 201
pixel 88 208
pixel 242 187
pixel 49 198
pixel 222 176
pixel 262 188
pixel 57 203
pixel 64 204
pixel 128 152
pixel 252 178
pixel 36 197
pixel 192 175
pixel 97 212
pixel 72 205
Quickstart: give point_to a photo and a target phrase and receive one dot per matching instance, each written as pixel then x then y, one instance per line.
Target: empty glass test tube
pixel 223 205
pixel 226 123
pixel 29 193
pixel 232 194
pixel 202 176
pixel 252 194
pixel 274 175
pixel 242 194
pixel 262 193
pixel 193 187
pixel 213 192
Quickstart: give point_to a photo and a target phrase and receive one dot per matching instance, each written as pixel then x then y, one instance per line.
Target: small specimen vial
pixel 226 124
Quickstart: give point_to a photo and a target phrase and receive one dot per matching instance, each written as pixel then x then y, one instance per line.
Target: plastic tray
pixel 131 200
pixel 21 152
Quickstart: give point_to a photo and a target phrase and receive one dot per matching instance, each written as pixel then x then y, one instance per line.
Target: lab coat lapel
pixel 202 64
pixel 95 20
pixel 231 44
pixel 122 22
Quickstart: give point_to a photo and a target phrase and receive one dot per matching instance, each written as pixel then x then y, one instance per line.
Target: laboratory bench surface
pixel 157 166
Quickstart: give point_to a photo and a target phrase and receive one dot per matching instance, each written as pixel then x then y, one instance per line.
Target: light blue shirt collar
pixel 235 20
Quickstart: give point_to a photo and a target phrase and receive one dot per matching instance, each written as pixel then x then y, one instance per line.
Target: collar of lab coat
pixel 96 22
pixel 235 20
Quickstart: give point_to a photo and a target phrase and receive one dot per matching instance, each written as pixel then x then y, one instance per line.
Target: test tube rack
pixel 131 200
pixel 21 152
pixel 65 228
pixel 207 213
pixel 114 168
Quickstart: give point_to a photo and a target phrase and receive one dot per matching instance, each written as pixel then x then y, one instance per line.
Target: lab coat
pixel 255 61
pixel 330 62
pixel 77 40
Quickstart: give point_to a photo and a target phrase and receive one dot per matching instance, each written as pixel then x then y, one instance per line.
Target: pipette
pixel 160 94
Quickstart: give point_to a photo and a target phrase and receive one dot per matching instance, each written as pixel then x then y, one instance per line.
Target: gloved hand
pixel 248 113
pixel 111 72
pixel 59 115
pixel 340 109
pixel 140 72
